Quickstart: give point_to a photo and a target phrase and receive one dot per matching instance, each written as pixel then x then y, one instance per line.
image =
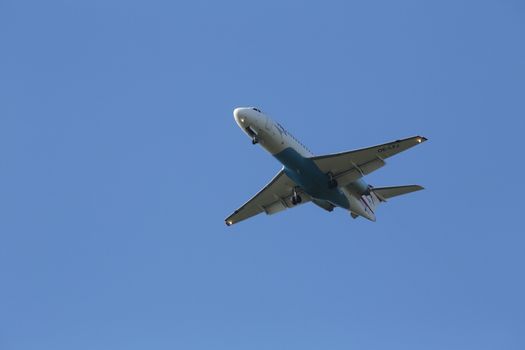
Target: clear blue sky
pixel 120 160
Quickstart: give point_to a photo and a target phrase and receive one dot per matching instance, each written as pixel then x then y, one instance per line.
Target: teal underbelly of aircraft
pixel 310 178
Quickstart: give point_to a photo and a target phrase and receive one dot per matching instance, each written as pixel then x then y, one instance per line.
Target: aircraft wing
pixel 347 167
pixel 273 198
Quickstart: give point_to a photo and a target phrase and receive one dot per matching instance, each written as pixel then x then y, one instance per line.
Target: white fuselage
pixel 295 157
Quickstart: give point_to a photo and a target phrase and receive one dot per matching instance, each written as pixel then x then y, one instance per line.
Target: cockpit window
pixel 257 110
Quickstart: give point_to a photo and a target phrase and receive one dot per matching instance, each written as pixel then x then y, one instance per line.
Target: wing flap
pixel 275 207
pixel 357 171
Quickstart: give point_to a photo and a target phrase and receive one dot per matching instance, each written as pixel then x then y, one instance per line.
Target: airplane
pixel 328 181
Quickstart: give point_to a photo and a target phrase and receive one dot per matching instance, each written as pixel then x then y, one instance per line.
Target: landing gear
pixel 255 140
pixel 296 199
pixel 332 183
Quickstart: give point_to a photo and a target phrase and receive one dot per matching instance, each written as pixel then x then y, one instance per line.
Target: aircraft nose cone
pixel 239 116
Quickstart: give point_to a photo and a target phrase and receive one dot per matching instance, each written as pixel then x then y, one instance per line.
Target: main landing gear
pixel 255 140
pixel 332 183
pixel 296 199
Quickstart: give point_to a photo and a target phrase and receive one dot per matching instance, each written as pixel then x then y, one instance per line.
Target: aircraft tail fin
pixel 385 193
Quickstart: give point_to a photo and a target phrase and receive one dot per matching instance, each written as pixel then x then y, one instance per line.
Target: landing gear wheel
pixel 332 183
pixel 296 199
pixel 255 141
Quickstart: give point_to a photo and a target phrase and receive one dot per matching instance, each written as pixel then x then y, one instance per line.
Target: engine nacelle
pixel 359 188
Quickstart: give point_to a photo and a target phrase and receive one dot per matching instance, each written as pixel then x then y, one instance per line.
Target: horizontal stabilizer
pixel 385 193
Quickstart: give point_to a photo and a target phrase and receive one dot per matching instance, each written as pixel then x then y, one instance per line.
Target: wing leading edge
pixel 273 198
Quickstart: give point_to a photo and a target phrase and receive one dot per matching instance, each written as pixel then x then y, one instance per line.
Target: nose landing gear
pixel 255 140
